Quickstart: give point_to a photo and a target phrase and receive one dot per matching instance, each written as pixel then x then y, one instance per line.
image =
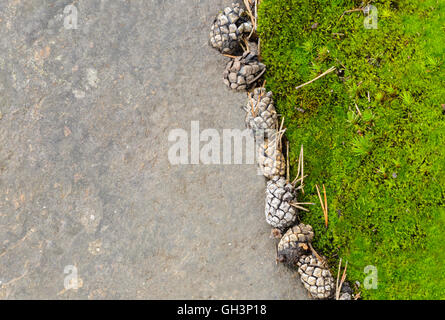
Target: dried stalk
pixel 325 206
pixel 322 261
pixel 280 134
pixel 247 44
pixel 230 56
pixel 252 17
pixel 259 48
pixel 258 100
pixel 337 292
pixel 298 171
pixel 298 180
pixel 297 203
pixel 257 77
pixel 319 197
pixel 343 278
pixel 244 48
pixel 325 212
pixel 349 11
pixel 302 169
pixel 298 207
pixel 287 162
pixel 277 133
pixel 251 105
pixel 358 110
pixel 316 78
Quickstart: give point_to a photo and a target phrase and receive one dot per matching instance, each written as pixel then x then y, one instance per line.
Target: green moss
pixel 384 171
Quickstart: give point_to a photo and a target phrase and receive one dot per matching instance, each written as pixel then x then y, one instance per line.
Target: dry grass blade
pixel 302 169
pixel 298 180
pixel 358 110
pixel 251 15
pixel 315 253
pixel 299 207
pixel 248 6
pixel 276 134
pixel 230 56
pixel 343 278
pixel 259 48
pixel 243 47
pixel 264 84
pixel 251 106
pixel 280 133
pixel 279 139
pixel 322 204
pixel 316 78
pixel 319 197
pixel 337 291
pixel 256 16
pixel 287 162
pixel 257 77
pixel 349 11
pixel 247 44
pixel 325 207
pixel 258 101
pixel 297 203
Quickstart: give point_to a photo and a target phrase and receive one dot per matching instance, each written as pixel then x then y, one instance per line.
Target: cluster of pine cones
pixel 231 34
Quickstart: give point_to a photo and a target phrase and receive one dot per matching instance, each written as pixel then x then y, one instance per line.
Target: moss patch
pixel 384 170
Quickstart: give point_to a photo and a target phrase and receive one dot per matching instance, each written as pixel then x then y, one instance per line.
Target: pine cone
pixel 345 296
pixel 279 194
pixel 242 72
pixel 228 28
pixel 316 277
pixel 345 292
pixel 261 115
pixel 270 159
pixel 295 243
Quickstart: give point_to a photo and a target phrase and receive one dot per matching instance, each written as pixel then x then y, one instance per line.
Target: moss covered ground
pixel 383 167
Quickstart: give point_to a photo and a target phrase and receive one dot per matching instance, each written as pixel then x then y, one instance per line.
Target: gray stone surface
pixel 84 174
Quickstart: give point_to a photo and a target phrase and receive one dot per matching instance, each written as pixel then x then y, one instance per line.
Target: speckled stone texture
pixel 84 173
